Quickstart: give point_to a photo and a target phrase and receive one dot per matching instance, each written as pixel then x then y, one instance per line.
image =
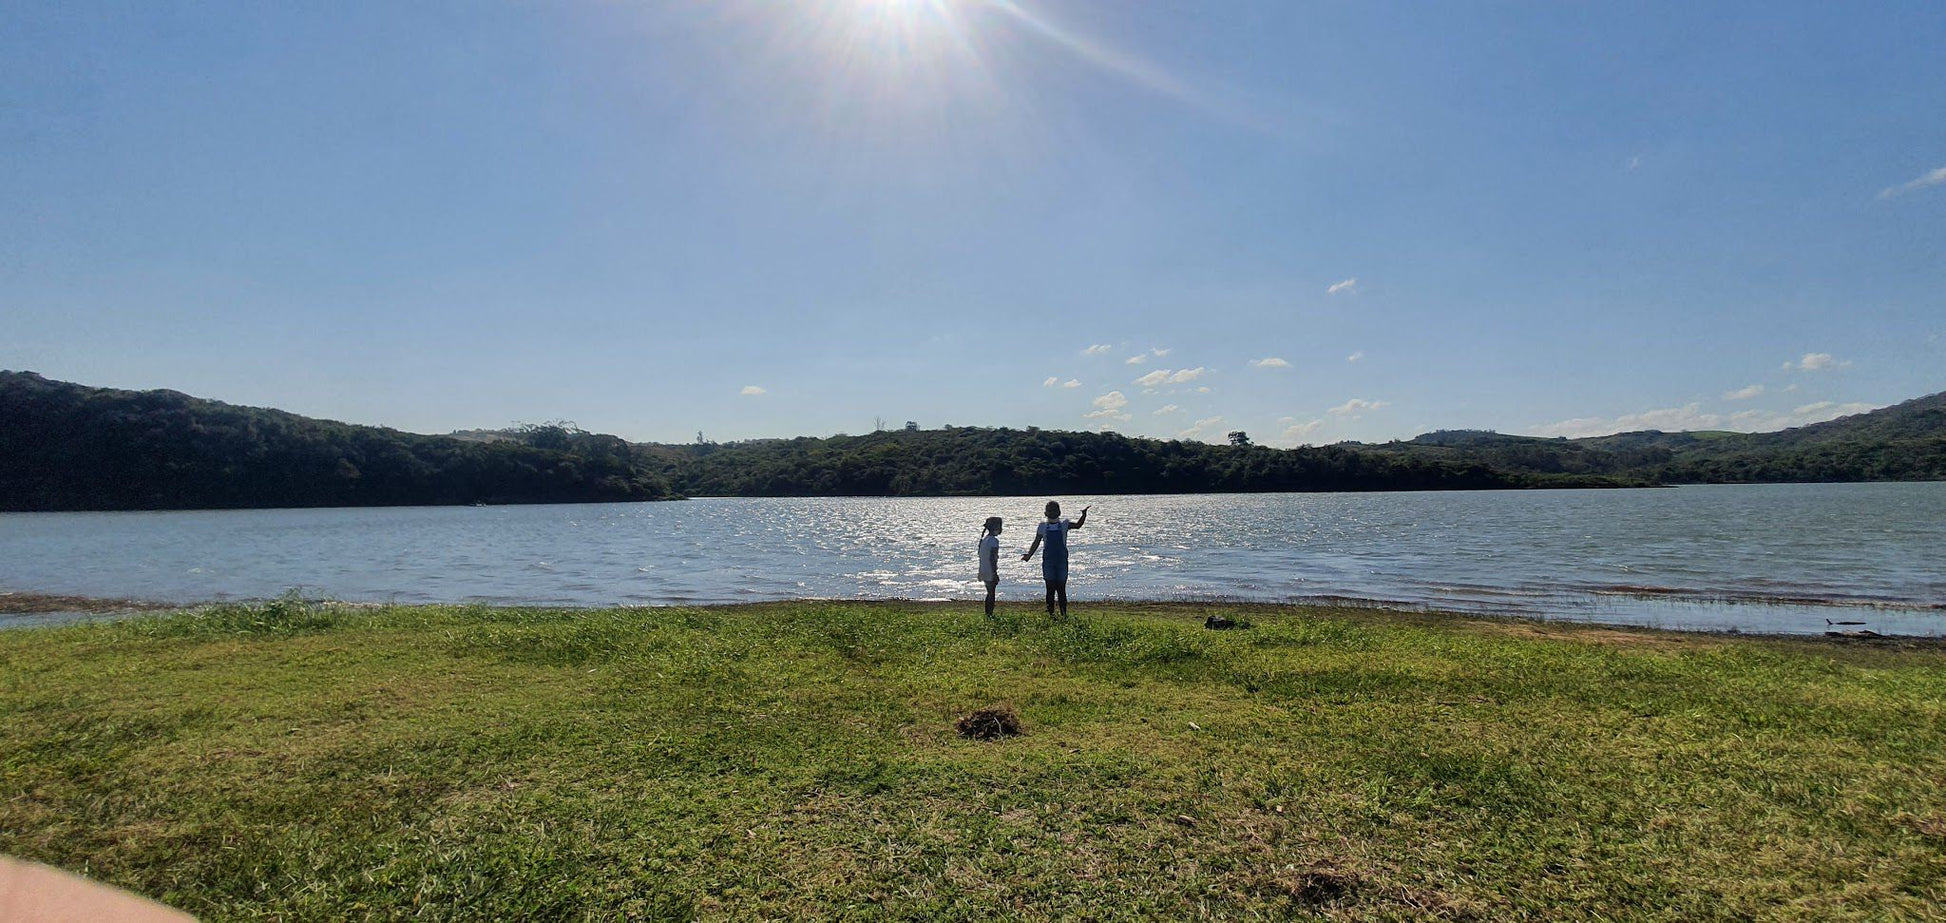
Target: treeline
pixel 68 447
pixel 981 461
pixel 1904 442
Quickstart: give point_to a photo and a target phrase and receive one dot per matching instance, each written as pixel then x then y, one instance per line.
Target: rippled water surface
pixel 1756 558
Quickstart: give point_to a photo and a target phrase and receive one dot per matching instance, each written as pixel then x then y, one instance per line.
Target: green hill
pixel 990 461
pixel 1904 442
pixel 71 447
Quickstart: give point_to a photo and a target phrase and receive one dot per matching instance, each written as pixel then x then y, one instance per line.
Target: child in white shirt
pixel 990 557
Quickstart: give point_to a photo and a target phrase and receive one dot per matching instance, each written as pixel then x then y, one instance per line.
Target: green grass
pixel 787 761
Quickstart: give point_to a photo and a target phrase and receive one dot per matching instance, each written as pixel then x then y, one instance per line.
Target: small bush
pixel 288 614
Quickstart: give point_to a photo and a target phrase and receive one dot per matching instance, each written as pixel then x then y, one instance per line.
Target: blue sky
pixel 1316 221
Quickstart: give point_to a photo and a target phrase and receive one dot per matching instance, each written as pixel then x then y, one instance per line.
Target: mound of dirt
pixel 1319 885
pixel 990 723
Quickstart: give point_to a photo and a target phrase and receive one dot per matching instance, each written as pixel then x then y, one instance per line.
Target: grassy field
pixel 799 760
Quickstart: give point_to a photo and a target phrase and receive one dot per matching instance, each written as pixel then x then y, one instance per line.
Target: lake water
pixel 1755 558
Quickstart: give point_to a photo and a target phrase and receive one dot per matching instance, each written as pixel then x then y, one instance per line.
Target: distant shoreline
pixel 1533 488
pixel 1512 489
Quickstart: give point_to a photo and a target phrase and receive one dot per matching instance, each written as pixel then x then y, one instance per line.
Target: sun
pixel 907 31
pixel 894 54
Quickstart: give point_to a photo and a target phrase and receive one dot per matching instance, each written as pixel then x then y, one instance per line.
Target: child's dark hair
pixel 992 527
pixel 1053 509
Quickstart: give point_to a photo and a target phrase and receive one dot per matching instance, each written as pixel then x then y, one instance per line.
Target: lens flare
pixel 895 73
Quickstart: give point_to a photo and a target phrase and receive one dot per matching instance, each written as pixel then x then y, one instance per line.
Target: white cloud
pixel 1113 400
pixel 1667 419
pixel 1271 362
pixel 1071 383
pixel 1203 390
pixel 1167 409
pixel 752 391
pixel 1171 377
pixel 1354 357
pixel 1109 406
pixel 1051 381
pixel 1825 410
pixel 1201 425
pixel 1633 163
pixel 1929 178
pixel 1299 433
pixel 1817 362
pixel 1098 349
pixel 1159 353
pixel 1358 405
pixel 1743 394
pixel 1137 359
pixel 1346 287
pixel 1693 417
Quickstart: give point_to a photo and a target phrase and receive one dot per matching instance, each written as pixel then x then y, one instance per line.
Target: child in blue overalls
pixel 1054 564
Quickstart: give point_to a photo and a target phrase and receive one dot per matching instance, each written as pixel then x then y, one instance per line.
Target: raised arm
pixel 1082 521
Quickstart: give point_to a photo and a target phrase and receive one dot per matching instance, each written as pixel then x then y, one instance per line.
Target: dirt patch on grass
pixel 1883 642
pixel 1654 639
pixel 990 723
pixel 1319 885
pixel 1932 826
pixel 1334 888
pixel 1611 637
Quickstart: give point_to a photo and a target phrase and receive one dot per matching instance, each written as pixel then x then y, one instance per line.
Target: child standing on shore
pixel 1054 564
pixel 990 557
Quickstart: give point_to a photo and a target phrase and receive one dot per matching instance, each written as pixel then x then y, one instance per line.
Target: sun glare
pixel 874 64
pixel 903 35
pixel 936 73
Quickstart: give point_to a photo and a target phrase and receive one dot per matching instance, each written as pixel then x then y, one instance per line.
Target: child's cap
pixel 993 523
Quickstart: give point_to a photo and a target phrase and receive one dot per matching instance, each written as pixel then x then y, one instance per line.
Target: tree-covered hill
pixel 984 461
pixel 1904 442
pixel 68 447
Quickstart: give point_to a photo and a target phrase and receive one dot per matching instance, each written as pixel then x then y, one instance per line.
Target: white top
pixel 989 552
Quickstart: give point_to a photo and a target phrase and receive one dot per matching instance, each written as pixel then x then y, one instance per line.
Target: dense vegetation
pixel 1904 442
pixel 74 447
pixel 69 447
pixel 979 461
pixel 799 761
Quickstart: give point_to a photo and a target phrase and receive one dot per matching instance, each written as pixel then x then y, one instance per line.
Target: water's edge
pixel 28 611
pixel 1796 559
